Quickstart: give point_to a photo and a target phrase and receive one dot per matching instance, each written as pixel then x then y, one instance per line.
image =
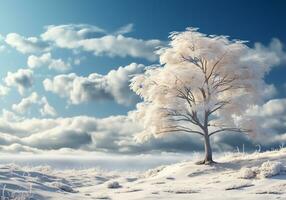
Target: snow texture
pixel 235 176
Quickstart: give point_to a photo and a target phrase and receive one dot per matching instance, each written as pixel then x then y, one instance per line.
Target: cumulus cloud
pixel 22 79
pixel 112 134
pixel 272 108
pixel 77 132
pixel 47 109
pixel 26 45
pixel 93 39
pixel 271 118
pixel 271 133
pixel 34 99
pixel 8 115
pixel 269 91
pixel 46 60
pixel 112 86
pixel 116 134
pixel 25 103
pixel 273 54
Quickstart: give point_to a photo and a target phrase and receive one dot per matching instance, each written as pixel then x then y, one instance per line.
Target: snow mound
pixel 246 173
pixel 270 168
pixel 266 170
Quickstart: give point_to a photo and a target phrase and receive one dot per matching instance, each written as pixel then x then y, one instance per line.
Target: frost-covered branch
pixel 238 130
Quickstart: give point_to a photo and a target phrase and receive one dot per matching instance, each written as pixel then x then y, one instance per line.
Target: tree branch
pixel 239 130
pixel 179 129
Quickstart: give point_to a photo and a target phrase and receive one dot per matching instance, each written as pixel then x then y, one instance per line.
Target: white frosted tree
pixel 203 86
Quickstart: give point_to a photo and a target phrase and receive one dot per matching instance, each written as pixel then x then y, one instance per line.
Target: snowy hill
pixel 236 176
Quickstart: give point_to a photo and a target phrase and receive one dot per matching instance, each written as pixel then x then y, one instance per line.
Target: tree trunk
pixel 208 151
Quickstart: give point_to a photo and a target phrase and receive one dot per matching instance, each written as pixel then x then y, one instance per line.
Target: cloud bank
pixel 96 87
pixel 115 134
pixel 95 40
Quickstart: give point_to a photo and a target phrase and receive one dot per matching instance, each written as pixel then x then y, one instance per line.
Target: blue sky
pixel 254 21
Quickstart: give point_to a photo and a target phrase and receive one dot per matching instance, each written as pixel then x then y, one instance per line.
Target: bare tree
pixel 203 86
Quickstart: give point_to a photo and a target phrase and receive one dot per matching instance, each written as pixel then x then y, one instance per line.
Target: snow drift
pixel 236 176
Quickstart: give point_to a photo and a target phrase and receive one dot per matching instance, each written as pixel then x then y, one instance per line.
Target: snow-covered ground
pixel 236 176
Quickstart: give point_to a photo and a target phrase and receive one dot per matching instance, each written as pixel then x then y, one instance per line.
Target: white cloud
pixel 269 120
pixel 22 79
pixel 112 134
pixel 116 133
pixel 268 123
pixel 269 91
pixel 112 86
pixel 77 132
pixel 3 90
pixel 26 45
pixel 47 109
pixel 46 60
pixel 34 99
pixel 26 103
pixel 273 54
pixel 272 108
pixel 8 115
pixel 68 36
pixel 121 46
pixel 2 46
pixel 88 38
pixel 124 29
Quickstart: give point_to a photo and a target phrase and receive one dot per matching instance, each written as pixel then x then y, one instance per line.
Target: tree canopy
pixel 202 82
